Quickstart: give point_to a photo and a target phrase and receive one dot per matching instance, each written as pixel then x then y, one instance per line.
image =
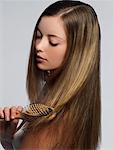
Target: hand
pixel 9 125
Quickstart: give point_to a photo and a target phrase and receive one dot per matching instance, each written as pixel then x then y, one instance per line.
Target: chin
pixel 45 67
pixel 42 67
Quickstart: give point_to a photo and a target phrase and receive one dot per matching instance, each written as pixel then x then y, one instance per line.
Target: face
pixel 50 43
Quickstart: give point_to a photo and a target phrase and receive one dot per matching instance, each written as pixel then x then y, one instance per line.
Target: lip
pixel 39 58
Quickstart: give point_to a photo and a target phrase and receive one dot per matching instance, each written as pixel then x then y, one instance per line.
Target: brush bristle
pixel 37 110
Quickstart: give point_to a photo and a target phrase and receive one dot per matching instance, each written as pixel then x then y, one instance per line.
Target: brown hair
pixel 73 89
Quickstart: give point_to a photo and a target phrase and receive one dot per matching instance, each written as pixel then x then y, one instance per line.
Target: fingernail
pixel 12 117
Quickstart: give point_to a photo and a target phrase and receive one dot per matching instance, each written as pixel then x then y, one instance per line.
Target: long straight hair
pixel 74 88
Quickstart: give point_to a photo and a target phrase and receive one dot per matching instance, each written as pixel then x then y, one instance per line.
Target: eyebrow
pixel 50 35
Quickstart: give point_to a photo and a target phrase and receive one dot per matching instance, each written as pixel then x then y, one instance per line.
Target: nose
pixel 40 45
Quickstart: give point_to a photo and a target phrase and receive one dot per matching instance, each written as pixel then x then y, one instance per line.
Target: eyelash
pixel 52 44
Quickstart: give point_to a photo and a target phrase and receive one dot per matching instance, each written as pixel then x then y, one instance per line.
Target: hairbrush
pixel 34 111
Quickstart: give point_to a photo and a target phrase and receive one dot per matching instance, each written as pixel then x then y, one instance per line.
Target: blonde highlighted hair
pixel 74 88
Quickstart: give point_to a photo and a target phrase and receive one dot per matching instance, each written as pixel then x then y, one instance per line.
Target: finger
pixel 16 111
pixel 19 108
pixel 1 113
pixel 13 112
pixel 7 113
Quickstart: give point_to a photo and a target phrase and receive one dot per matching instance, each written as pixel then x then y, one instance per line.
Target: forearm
pixel 7 144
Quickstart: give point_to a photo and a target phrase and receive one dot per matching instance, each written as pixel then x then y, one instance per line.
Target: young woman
pixel 63 73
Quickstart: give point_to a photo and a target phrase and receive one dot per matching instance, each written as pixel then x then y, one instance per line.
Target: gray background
pixel 17 21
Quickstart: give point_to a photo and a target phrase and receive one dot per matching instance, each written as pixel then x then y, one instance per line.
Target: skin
pixel 9 125
pixel 50 43
pixel 51 46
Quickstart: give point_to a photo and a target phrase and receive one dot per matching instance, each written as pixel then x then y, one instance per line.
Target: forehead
pixel 52 25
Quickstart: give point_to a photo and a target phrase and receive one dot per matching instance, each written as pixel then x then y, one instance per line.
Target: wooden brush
pixel 33 111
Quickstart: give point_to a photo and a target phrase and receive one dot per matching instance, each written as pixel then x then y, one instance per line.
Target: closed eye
pixel 53 44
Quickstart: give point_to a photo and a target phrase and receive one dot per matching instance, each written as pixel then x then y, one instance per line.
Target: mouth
pixel 39 58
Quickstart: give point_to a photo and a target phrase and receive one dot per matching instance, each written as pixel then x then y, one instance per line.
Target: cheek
pixel 57 56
